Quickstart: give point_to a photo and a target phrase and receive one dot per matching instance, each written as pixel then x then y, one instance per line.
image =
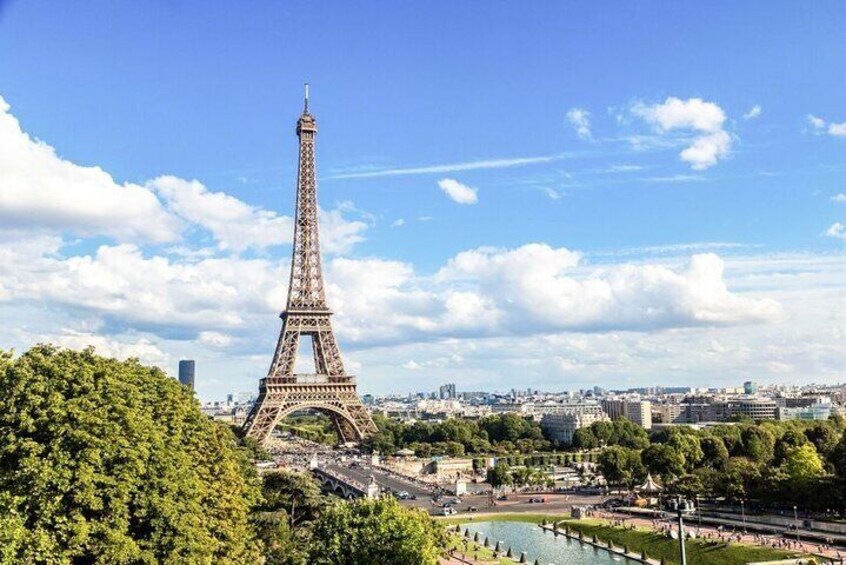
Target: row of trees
pixel 776 463
pixel 110 462
pixel 500 434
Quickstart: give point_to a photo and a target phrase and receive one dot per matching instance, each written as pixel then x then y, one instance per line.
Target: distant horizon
pixel 550 196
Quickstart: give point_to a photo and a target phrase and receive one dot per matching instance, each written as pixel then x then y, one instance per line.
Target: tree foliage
pixel 455 437
pixel 112 462
pixel 375 531
pixel 500 474
pixel 622 466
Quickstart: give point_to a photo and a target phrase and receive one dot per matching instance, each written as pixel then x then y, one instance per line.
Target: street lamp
pixel 682 507
pixel 743 513
pixel 796 522
pixel 699 512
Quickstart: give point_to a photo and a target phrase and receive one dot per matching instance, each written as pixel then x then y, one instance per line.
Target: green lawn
pixel 699 552
pixel 474 550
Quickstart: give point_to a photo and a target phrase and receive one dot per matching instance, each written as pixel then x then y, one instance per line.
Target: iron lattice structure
pixel 329 389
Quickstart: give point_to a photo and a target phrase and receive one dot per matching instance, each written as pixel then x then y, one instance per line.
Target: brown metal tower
pixel 329 389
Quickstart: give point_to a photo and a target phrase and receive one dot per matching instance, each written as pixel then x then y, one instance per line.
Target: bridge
pixel 343 485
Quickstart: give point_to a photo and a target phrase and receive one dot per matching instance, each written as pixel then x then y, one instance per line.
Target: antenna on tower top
pixel 306 99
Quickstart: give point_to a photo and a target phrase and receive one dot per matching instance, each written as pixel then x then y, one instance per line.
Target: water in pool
pixel 539 544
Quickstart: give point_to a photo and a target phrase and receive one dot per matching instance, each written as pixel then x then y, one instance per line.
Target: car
pixel 413 497
pixel 448 511
pixel 403 495
pixel 471 509
pixel 502 497
pixel 456 500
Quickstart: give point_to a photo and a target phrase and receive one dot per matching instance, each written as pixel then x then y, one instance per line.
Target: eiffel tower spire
pixel 329 389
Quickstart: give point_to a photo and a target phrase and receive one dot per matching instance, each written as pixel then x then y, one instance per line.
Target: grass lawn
pixel 699 552
pixel 476 550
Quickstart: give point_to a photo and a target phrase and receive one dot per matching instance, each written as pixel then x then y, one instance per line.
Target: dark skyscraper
pixel 186 373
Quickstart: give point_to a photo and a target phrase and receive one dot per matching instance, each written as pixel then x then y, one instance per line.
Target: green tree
pixel 500 475
pixel 758 444
pixel 628 434
pixel 838 457
pixel 113 462
pixel 789 440
pixel 740 478
pixel 603 432
pixel 689 486
pixel 803 463
pixel 714 453
pixel 688 445
pixel 291 502
pixel 824 436
pixel 662 460
pixel 297 494
pixel 621 466
pixel 375 531
pixel 584 438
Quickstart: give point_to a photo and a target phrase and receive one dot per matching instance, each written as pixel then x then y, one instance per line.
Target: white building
pixel 563 423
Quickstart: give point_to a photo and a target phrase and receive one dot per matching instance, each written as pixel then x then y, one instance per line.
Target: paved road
pixel 384 480
pixel 555 504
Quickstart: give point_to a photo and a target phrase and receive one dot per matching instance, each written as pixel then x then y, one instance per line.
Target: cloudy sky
pixel 512 195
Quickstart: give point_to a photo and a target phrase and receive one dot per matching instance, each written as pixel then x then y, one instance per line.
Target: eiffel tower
pixel 329 389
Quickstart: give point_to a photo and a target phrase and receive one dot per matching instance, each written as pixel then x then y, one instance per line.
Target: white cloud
pixel 839 198
pixel 237 226
pixel 837 130
pixel 753 112
pixel 487 309
pixel 337 234
pixel 707 149
pixel 132 290
pixel 398 223
pixel 535 286
pixel 142 348
pixel 552 193
pixel 459 192
pixel 214 339
pixel 412 365
pixel 837 230
pixel 711 144
pixel 816 123
pixel 234 224
pixel 674 113
pixel 580 120
pixel 819 125
pixel 453 167
pixel 40 190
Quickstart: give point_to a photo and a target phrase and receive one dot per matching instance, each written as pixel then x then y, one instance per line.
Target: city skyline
pixel 556 220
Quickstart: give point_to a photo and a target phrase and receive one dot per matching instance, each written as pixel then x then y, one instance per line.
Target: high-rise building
pixel 638 411
pixel 750 387
pixel 447 391
pixel 186 373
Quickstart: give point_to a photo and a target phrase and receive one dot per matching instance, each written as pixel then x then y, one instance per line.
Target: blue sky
pixel 655 149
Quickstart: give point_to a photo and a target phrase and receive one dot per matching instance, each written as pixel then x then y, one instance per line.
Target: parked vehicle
pixel 448 511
